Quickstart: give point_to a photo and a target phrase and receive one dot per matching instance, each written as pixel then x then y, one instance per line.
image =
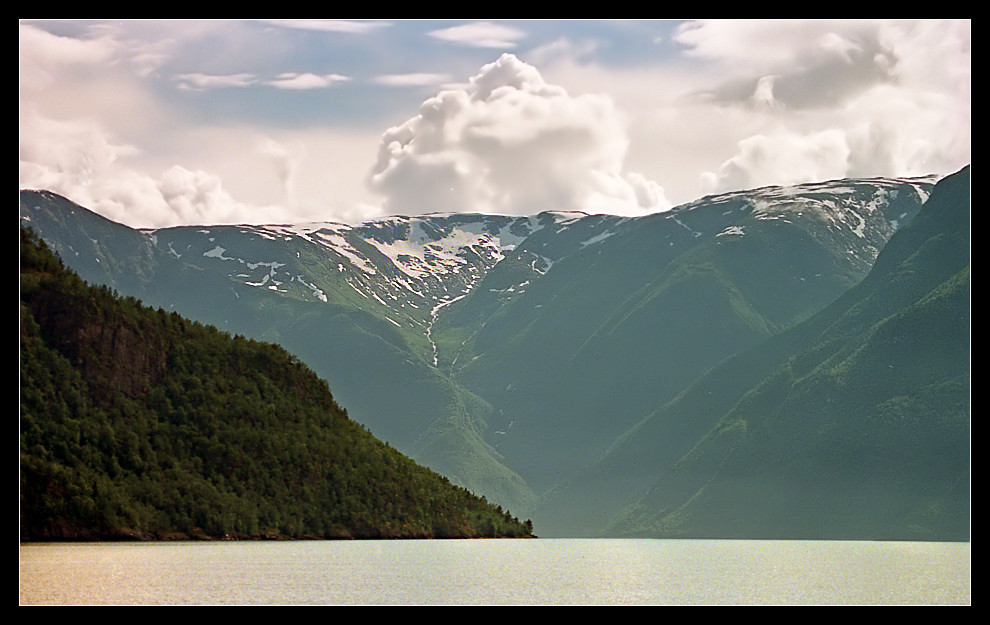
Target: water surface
pixel 497 572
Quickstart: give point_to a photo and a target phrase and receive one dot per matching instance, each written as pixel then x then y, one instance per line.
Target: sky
pixel 156 123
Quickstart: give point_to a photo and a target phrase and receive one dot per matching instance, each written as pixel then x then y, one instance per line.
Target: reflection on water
pixel 494 572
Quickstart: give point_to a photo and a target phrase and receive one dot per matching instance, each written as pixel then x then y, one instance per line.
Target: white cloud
pixel 782 158
pixel 562 48
pixel 198 81
pixel 893 97
pixel 65 153
pixel 77 159
pixel 933 53
pixel 481 35
pixel 117 147
pixel 306 81
pixel 899 107
pixel 511 143
pixel 756 45
pixel 763 95
pixel 332 26
pixel 729 104
pixel 43 56
pixel 290 81
pixel 195 196
pixel 286 160
pixel 419 79
pixel 905 132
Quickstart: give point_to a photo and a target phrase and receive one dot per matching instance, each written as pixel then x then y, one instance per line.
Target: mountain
pixel 136 423
pixel 854 424
pixel 511 353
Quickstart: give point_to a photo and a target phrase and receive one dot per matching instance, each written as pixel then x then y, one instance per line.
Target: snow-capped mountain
pixel 415 265
pixel 406 269
pixel 506 352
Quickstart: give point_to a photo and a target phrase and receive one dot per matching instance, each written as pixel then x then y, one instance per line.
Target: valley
pixel 571 366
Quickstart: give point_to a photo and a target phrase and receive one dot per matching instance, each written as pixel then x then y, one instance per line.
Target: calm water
pixel 493 572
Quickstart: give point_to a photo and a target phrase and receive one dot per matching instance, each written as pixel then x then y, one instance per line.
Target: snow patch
pixel 598 238
pixel 922 193
pixel 563 218
pixel 339 244
pixel 731 230
pixel 695 233
pixel 858 229
pixel 317 292
pixel 217 252
pixel 420 256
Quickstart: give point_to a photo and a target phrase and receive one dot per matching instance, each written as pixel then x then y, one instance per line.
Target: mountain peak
pixel 509 351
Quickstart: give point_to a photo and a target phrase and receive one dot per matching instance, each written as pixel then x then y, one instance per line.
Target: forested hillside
pixel 139 424
pixel 562 364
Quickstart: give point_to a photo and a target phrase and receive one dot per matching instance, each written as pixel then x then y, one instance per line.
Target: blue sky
pixel 156 123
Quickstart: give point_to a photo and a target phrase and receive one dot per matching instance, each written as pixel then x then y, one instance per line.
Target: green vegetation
pixel 139 424
pixel 854 424
pixel 601 359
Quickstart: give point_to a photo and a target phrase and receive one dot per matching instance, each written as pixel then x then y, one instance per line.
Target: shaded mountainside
pixel 321 291
pixel 633 310
pixel 511 354
pixel 855 424
pixel 137 423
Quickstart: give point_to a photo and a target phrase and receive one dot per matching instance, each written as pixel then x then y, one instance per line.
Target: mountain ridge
pixel 925 265
pixel 560 345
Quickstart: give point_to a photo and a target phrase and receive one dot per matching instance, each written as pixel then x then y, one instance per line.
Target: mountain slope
pixel 320 291
pixel 139 424
pixel 633 310
pixel 508 353
pixel 853 424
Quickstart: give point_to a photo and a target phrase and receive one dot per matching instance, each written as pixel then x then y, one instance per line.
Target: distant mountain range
pixel 737 366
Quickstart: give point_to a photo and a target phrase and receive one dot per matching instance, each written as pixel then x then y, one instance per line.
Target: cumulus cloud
pixel 838 98
pixel 109 119
pixel 814 63
pixel 759 45
pixel 195 196
pixel 782 158
pixel 893 131
pixel 80 160
pixel 72 158
pixel 78 152
pixel 510 143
